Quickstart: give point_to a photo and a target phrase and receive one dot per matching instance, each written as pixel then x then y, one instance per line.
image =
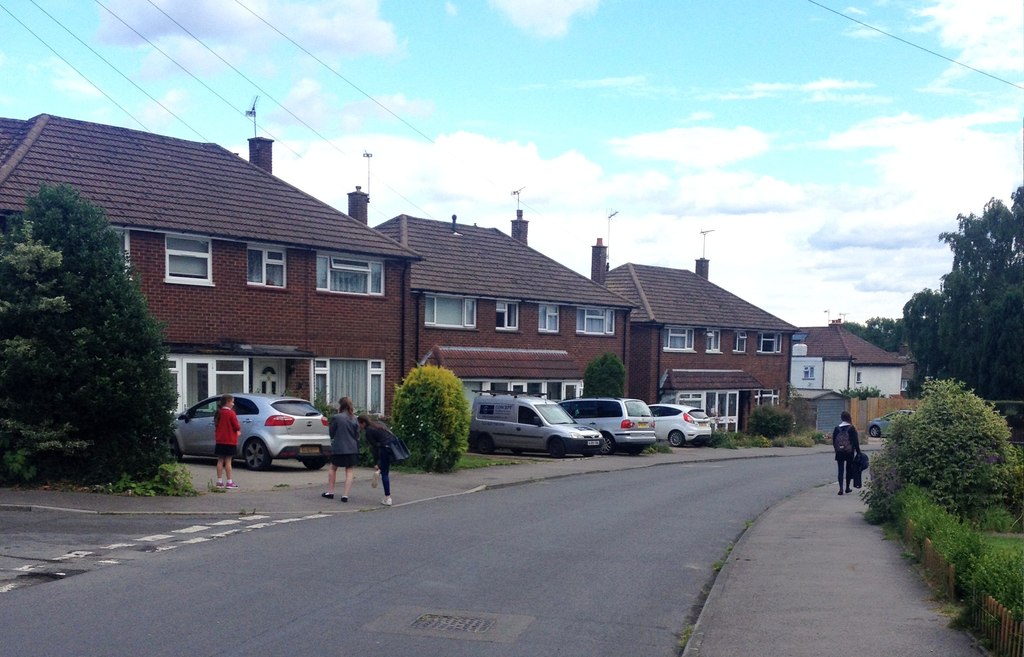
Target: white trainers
pixel 386 501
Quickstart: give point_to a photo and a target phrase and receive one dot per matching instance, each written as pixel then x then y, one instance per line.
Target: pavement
pixel 808 577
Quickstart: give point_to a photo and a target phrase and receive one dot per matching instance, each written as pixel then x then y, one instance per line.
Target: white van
pixel 526 423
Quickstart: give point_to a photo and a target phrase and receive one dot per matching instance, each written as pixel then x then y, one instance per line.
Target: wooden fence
pixel 990 620
pixel 864 410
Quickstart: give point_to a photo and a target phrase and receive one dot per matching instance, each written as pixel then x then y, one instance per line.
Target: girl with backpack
pixel 847 448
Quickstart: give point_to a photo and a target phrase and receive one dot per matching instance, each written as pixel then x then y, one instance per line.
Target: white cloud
pixel 544 18
pixel 699 147
pixel 986 33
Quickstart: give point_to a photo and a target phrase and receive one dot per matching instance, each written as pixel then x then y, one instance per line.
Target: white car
pixel 681 425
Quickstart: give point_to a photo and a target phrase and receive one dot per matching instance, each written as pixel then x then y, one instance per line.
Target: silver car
pixel 681 425
pixel 625 424
pixel 273 427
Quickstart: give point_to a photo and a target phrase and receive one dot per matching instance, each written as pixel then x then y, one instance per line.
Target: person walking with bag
pixel 344 433
pixel 847 449
pixel 226 431
pixel 379 437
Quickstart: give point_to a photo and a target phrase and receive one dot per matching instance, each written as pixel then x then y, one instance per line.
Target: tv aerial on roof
pixel 251 113
pixel 704 237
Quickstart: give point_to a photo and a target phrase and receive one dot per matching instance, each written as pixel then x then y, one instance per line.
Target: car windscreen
pixel 296 407
pixel 635 408
pixel 554 414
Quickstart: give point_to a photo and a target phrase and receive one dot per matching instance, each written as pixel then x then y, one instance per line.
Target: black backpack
pixel 841 442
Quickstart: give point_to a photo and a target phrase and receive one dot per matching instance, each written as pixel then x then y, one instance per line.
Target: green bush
pixel 432 415
pixel 724 439
pixel 981 568
pixel 955 446
pixel 170 479
pixel 605 376
pixel 770 422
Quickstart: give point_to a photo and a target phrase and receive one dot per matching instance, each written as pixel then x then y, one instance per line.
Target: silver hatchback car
pixel 273 427
pixel 681 425
pixel 626 425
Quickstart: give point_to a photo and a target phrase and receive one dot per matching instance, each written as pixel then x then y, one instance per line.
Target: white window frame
pixel 372 270
pixel 740 343
pixel 586 316
pixel 859 379
pixel 675 334
pixel 206 258
pixel 547 318
pixel 468 311
pixel 267 260
pixel 713 341
pixel 506 316
pixel 374 402
pixel 808 372
pixel 765 337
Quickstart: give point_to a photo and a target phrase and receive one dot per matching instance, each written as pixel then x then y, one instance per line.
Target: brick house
pixel 692 342
pixel 500 315
pixel 259 286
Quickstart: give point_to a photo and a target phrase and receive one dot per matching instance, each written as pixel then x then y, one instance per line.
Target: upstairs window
pixel 713 341
pixel 595 321
pixel 678 338
pixel 188 260
pixel 337 274
pixel 808 372
pixel 507 316
pixel 454 312
pixel 547 321
pixel 266 266
pixel 769 343
pixel 740 346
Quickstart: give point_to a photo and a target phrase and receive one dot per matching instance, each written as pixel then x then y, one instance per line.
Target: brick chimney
pixel 702 267
pixel 261 153
pixel 520 228
pixel 598 261
pixel 357 204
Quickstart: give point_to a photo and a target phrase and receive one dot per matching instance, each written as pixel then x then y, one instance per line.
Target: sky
pixel 812 151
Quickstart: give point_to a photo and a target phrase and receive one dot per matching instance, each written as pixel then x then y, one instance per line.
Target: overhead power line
pixel 75 69
pixel 914 45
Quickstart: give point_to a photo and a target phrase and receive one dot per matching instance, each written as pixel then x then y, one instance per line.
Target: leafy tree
pixel 882 332
pixel 605 377
pixel 431 414
pixel 85 393
pixel 972 328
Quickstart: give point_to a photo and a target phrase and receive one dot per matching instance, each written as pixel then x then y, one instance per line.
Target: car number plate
pixel 309 449
pixel 593 443
pixel 643 425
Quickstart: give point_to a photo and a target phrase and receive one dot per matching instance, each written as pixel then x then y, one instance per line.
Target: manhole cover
pixel 452 623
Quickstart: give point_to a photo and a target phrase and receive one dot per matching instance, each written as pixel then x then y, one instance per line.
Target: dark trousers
pixel 845 467
pixel 384 463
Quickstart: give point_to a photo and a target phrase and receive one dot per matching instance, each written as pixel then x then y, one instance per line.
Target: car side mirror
pixel 537 422
pixel 185 417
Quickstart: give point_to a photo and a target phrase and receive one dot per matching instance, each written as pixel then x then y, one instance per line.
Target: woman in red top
pixel 226 432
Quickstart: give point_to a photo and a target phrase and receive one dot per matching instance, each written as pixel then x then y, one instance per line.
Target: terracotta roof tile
pixel 681 297
pixel 711 380
pixel 833 342
pixel 463 259
pixel 154 182
pixel 504 363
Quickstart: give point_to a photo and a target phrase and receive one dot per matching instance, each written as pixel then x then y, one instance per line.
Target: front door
pixel 722 406
pixel 268 376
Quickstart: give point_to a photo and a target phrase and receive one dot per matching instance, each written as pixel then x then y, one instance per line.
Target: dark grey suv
pixel 626 425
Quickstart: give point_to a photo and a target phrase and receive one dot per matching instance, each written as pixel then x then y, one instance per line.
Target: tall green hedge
pixel 431 414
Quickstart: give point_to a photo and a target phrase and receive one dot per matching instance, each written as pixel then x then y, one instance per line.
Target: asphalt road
pixel 611 563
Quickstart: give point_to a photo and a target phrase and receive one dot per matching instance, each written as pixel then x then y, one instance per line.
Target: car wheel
pixel 256 455
pixel 676 438
pixel 485 444
pixel 556 448
pixel 314 464
pixel 874 431
pixel 607 445
pixel 172 445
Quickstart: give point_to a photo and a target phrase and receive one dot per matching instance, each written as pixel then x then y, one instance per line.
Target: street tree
pixel 971 328
pixel 85 393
